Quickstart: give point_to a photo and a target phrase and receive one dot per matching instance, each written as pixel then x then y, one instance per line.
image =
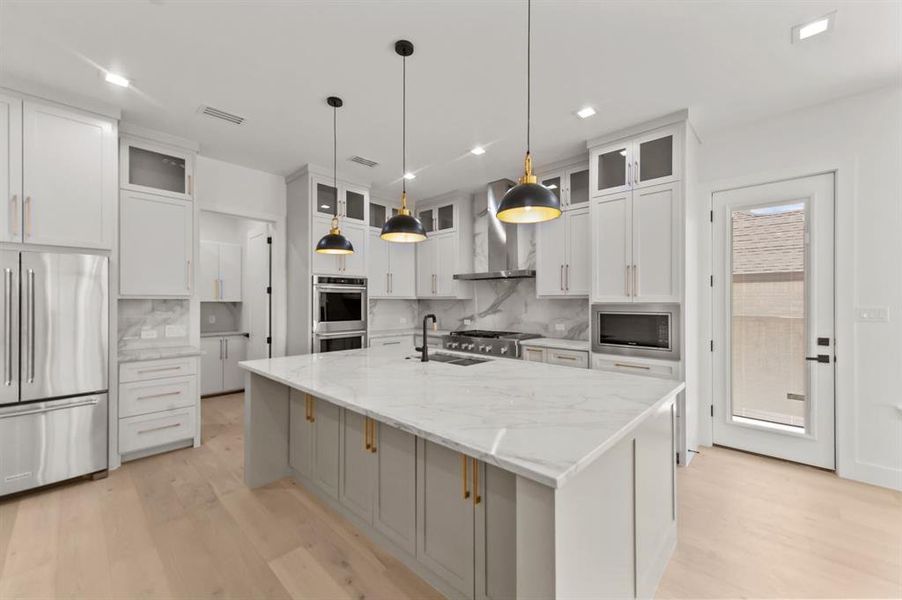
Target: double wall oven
pixel 339 313
pixel 640 330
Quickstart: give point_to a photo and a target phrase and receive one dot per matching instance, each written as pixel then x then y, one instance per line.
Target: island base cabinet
pixel 357 465
pixel 395 508
pixel 313 442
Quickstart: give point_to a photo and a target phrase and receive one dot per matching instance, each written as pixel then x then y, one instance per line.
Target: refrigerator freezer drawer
pixel 46 442
pixel 157 429
pixel 143 397
pixel 147 370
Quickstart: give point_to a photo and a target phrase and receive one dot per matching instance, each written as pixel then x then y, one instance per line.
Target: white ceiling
pixel 275 62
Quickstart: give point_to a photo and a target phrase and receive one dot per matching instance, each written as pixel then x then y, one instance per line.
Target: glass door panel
pixel 656 158
pixel 426 217
pixel 355 205
pixel 553 184
pixel 445 217
pixel 578 188
pixel 156 170
pixel 768 316
pixel 377 215
pixel 326 199
pixel 611 170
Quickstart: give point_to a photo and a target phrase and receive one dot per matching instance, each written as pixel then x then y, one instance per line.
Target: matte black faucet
pixel 425 348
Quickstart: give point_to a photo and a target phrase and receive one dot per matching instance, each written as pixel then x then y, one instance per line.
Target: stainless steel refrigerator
pixel 53 367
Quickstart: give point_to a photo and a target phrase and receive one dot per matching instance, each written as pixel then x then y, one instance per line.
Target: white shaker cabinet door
pixel 551 256
pixel 377 266
pixel 355 264
pixel 208 271
pixel 155 245
pixel 656 246
pixel 426 268
pixel 302 434
pixel 326 419
pixel 395 508
pixel 611 252
pixel 10 168
pixel 235 351
pixel 230 272
pixel 211 365
pixel 69 177
pixel 357 467
pixel 446 265
pixel 402 260
pixel 578 274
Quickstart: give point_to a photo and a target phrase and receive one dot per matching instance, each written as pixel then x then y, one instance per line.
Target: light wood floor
pixel 182 525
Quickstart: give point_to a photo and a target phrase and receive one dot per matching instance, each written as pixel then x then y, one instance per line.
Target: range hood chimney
pixel 499 245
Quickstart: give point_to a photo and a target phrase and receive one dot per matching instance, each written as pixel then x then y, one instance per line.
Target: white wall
pixel 242 192
pixel 860 137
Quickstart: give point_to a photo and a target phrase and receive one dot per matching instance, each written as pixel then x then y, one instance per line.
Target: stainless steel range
pixel 480 341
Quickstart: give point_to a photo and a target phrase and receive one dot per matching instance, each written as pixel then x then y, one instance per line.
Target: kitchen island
pixel 495 480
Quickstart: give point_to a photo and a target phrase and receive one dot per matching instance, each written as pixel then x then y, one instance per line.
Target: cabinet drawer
pixel 142 397
pixel 568 358
pixel 157 369
pixel 157 429
pixel 534 354
pixel 635 367
pixel 395 340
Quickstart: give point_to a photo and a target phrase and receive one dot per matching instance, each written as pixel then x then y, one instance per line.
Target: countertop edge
pixel 507 465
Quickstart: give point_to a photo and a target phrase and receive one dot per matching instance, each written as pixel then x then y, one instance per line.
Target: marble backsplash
pixel 511 305
pixel 153 323
pixel 392 314
pixel 216 317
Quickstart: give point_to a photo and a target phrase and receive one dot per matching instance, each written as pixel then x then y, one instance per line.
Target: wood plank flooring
pixel 183 525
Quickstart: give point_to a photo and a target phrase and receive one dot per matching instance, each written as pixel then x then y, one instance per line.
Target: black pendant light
pixel 334 242
pixel 403 227
pixel 528 201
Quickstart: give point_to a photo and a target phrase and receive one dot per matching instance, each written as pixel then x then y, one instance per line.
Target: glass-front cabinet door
pixel 577 187
pixel 326 198
pixel 427 218
pixel 378 214
pixel 610 169
pixel 655 157
pixel 444 218
pixel 156 168
pixel 553 183
pixel 354 204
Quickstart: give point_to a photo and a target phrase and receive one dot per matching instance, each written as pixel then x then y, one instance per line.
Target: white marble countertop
pixel 544 422
pixel 560 344
pixel 378 333
pixel 158 353
pixel 222 333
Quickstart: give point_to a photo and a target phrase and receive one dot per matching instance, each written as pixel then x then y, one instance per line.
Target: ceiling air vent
pixel 363 161
pixel 221 114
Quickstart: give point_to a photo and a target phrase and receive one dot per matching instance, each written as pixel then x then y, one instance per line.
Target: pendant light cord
pixel 404 125
pixel 335 156
pixel 528 69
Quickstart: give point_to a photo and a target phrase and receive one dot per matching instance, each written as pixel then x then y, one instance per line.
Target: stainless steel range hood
pixel 500 258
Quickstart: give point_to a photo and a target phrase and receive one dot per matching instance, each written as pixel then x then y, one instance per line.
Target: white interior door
pixel 773 319
pixel 256 299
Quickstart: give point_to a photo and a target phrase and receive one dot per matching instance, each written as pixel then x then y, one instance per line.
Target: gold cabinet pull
pixel 372 436
pixel 476 497
pixel 463 468
pixel 366 434
pixel 310 408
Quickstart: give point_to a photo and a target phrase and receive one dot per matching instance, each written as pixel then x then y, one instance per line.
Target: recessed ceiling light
pixel 812 28
pixel 478 151
pixel 623 153
pixel 551 186
pixel 409 176
pixel 585 113
pixel 116 79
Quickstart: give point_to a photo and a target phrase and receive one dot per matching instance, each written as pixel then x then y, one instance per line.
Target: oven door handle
pixel 340 288
pixel 340 334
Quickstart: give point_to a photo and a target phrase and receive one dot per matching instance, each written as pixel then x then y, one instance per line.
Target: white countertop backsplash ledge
pixel 543 422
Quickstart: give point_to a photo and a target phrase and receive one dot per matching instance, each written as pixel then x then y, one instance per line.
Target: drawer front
pixel 142 397
pixel 396 340
pixel 157 429
pixel 157 369
pixel 635 367
pixel 568 358
pixel 534 354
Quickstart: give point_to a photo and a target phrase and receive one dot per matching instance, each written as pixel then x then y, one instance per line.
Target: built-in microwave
pixel 339 304
pixel 641 330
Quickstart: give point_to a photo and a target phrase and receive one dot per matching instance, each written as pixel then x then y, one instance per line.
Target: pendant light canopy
pixel 403 227
pixel 334 242
pixel 528 201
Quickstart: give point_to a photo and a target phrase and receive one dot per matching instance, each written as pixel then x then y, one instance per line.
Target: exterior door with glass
pixel 773 298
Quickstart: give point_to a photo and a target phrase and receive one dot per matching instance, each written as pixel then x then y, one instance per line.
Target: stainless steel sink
pixel 451 359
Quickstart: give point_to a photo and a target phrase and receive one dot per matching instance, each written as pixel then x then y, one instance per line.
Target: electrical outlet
pixel 175 331
pixel 560 327
pixel 148 334
pixel 873 314
pixel 467 321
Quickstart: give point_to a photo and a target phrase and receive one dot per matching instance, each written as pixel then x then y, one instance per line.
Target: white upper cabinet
pixel 563 253
pixel 391 268
pixel 341 264
pixel 350 203
pixel 437 262
pixel 69 177
pixel 439 219
pixel 155 168
pixel 378 266
pixel 220 272
pixel 636 245
pixel 11 168
pixel 155 245
pixel 449 248
pixel 648 159
pixel 571 186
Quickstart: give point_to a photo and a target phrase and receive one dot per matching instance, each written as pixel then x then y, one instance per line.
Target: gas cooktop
pixel 483 341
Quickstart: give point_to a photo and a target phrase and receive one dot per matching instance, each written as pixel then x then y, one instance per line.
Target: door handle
pixel 8 323
pixel 226 340
pixel 562 278
pixel 14 221
pixel 188 274
pixel 821 358
pixel 463 469
pixel 367 444
pixel 220 349
pixel 31 323
pixel 636 172
pixel 476 497
pixel 635 281
pixel 372 435
pixel 567 278
pixel 626 281
pixel 629 174
pixel 27 210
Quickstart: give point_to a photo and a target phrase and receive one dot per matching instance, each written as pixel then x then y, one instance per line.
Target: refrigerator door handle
pixel 31 324
pixel 7 325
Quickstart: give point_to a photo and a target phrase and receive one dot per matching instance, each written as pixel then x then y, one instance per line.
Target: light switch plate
pixel 148 334
pixel 872 314
pixel 175 331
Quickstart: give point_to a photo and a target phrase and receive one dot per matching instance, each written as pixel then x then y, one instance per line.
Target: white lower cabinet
pixel 314 443
pixel 557 356
pixel 666 369
pixel 219 364
pixel 159 407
